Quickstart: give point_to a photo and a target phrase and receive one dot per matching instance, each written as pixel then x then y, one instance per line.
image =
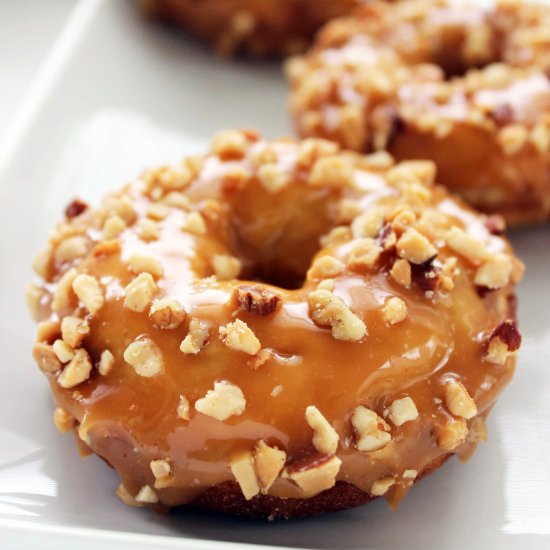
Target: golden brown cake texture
pixel 276 328
pixel 465 86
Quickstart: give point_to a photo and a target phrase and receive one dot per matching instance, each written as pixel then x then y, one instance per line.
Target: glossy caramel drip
pixel 131 420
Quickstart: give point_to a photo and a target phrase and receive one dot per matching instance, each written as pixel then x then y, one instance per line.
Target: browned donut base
pixel 228 498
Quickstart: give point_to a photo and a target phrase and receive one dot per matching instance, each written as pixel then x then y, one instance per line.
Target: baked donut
pixel 465 86
pixel 276 328
pixel 254 27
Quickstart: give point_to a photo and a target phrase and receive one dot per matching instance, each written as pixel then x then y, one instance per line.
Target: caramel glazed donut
pixel 464 86
pixel 254 27
pixel 276 328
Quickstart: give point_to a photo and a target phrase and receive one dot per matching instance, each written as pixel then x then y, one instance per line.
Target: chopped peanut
pixel 268 463
pixel 316 479
pixel 145 263
pixel 146 495
pixel 452 434
pixel 226 267
pixel 145 357
pixel 113 227
pixel 64 290
pixel 401 272
pixel 402 410
pixel 394 310
pixel 478 430
pixel 458 400
pixel 224 401
pixel 71 248
pixel 495 272
pixel 63 420
pixel 242 467
pixel 63 351
pixel 183 408
pixel 106 363
pixel 161 468
pixel 74 330
pixel 504 341
pixel 46 358
pixel 272 178
pixel 331 172
pixel 77 371
pixel 126 497
pixel 239 337
pixel 139 292
pixel 194 223
pixel 148 230
pixel 325 267
pixel 325 437
pixel 196 338
pixel 364 253
pixel 372 430
pixel 89 292
pixel 381 486
pixel 167 313
pixel 466 245
pixel 368 225
pixel 414 247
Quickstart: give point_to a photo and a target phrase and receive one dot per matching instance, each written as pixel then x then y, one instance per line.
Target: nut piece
pixel 364 253
pixel 495 272
pixel 194 223
pixel 381 486
pixel 272 178
pixel 145 263
pixel 317 478
pixel 415 247
pixel 139 293
pixel 223 401
pixel 113 227
pixel 161 468
pixel 196 338
pixel 402 410
pixel 226 267
pixel 327 309
pixel 126 497
pixel 394 310
pixel 257 299
pixel 368 224
pixel 466 245
pixel 146 495
pixel 46 358
pixel 268 463
pixel 148 230
pixel 229 144
pixel 452 434
pixel 106 363
pixel 478 430
pixel 504 341
pixel 89 292
pixel 401 272
pixel 458 400
pixel 242 467
pixel 64 290
pixel 372 430
pixel 410 474
pixel 239 337
pixel 167 314
pixel 63 420
pixel 325 437
pixel 325 267
pixel 183 408
pixel 77 371
pixel 145 357
pixel 63 351
pixel 333 171
pixel 74 330
pixel 71 248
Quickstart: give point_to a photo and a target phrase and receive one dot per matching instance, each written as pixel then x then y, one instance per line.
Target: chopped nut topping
pixel 316 479
pixel 402 410
pixel 126 497
pixel 70 249
pixel 46 358
pixel 194 223
pixel 145 357
pixel 158 211
pixel 268 463
pixel 224 401
pixel 327 309
pixel 196 338
pixel 513 138
pixel 495 272
pixel 394 310
pixel 63 351
pixel 161 468
pixel 331 172
pixel 503 342
pixel 145 263
pixel 113 227
pixel 478 430
pixel 148 230
pixel 466 245
pixel 257 299
pixel 325 267
pixel 183 408
pixel 381 486
pixel 226 267
pixel 259 359
pixel 310 149
pixel 47 331
pixel 364 253
pixel 229 144
pixel 401 272
pixel 540 136
pixel 89 292
pixel 64 290
pixel 452 434
pixel 106 248
pixel 146 495
pixel 458 400
pixel 348 210
pixel 335 236
pixel 372 430
pixel 63 420
pixel 75 208
pixel 74 330
pixel 272 178
pixel 139 293
pixel 106 363
pixel 175 199
pixel 77 371
pixel 495 224
pixel 327 284
pixel 277 390
pixel 238 336
pixel 83 434
pixel 33 297
pixel 242 467
pixel 414 247
pixel 368 224
pixel 325 437
pixel 167 314
pixel 410 474
pixel 41 263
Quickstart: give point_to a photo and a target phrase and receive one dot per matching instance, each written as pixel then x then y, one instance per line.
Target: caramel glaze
pixel 465 86
pixel 130 420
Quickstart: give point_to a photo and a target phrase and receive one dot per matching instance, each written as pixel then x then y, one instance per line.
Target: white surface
pixel 97 115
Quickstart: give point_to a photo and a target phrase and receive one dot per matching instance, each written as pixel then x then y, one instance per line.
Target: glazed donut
pixel 254 27
pixel 465 86
pixel 276 328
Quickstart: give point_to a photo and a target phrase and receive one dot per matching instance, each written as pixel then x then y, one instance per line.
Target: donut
pixel 276 328
pixel 465 86
pixel 253 27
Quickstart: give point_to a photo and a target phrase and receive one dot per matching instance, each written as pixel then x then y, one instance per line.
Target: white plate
pixel 110 89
